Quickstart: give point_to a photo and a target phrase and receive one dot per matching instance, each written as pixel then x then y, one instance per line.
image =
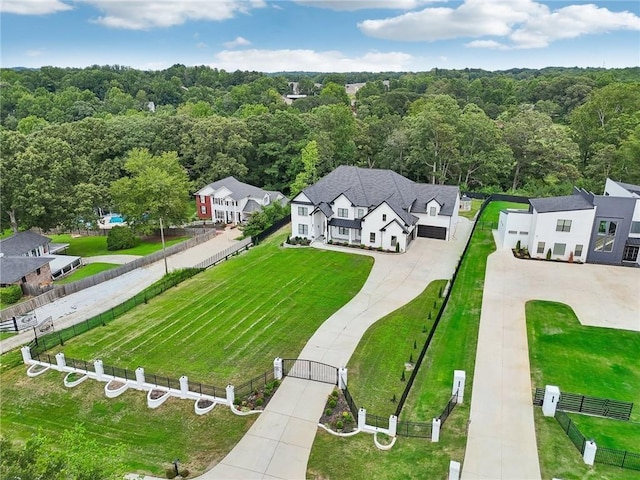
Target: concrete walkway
pixel 117 259
pixel 89 302
pixel 502 442
pixel 278 444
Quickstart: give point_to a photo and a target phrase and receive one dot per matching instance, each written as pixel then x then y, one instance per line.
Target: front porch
pixel 344 230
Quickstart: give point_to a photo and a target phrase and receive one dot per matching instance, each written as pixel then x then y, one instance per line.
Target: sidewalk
pixel 92 301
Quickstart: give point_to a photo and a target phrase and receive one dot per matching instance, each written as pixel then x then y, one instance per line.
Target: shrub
pixel 397 248
pixel 339 425
pixel 120 238
pixel 518 246
pixel 259 402
pixel 184 473
pixel 549 254
pixel 328 412
pixel 346 417
pixel 332 403
pixel 335 393
pixel 10 294
pixel 170 472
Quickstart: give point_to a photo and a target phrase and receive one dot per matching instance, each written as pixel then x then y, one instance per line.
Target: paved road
pixel 502 443
pixel 89 302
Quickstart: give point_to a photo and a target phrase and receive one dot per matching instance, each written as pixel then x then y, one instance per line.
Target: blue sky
pixel 320 35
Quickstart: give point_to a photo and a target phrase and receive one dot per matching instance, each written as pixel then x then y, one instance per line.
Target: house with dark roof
pixel 582 226
pixel 374 208
pixel 232 201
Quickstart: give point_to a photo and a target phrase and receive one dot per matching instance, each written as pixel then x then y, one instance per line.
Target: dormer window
pixel 432 211
pixel 384 217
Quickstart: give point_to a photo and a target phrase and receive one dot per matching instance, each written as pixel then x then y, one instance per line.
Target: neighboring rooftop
pixel 630 187
pixel 559 204
pixel 22 243
pixel 12 269
pixel 238 189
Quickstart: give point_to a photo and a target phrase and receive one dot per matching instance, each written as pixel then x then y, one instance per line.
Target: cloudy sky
pixel 321 35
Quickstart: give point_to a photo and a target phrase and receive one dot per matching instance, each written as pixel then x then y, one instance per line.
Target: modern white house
pixel 375 208
pixel 232 201
pixel 582 226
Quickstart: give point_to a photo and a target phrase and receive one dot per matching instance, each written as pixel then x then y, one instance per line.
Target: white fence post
pixel 140 376
pixel 99 368
pixel 435 430
pixel 454 470
pixel 362 418
pixel 590 449
pixel 459 377
pixel 231 395
pixel 277 368
pixel 60 360
pixel 342 378
pixel 184 386
pixel 393 425
pixel 551 399
pixel 26 354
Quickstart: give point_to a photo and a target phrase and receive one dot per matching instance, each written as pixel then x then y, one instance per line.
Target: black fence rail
pixel 160 381
pixel 256 239
pixel 414 429
pixel 571 430
pixel 310 370
pixel 80 364
pixel 225 254
pixel 451 404
pixel 254 384
pixel 618 458
pixel 202 389
pixel 349 399
pixel 601 407
pixel 377 421
pixel 119 372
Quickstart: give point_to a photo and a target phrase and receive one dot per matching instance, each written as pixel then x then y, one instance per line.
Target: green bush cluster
pixel 10 294
pixel 120 238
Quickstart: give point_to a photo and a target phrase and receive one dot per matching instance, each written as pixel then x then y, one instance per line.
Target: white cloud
pixel 523 23
pixel 237 42
pixel 147 14
pixel 33 7
pixel 310 60
pixel 352 5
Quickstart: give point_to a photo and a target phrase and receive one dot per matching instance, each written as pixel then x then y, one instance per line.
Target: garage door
pixel 432 232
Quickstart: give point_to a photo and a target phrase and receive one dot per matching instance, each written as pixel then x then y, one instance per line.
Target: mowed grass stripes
pixel 228 323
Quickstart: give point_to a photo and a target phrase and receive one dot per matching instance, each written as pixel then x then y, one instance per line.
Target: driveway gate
pixel 310 370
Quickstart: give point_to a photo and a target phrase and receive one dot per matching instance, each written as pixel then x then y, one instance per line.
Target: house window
pixel 302 211
pixel 202 199
pixel 524 233
pixel 578 251
pixel 24 279
pixel 630 253
pixel 203 209
pixel 384 217
pixel 606 235
pixel 540 249
pixel 303 229
pixel 559 248
pixel 432 211
pixel 37 271
pixel 343 231
pixel 343 213
pixel 372 237
pixel 361 213
pixel 635 227
pixel 394 241
pixel 563 226
pixel 219 215
pixel 513 232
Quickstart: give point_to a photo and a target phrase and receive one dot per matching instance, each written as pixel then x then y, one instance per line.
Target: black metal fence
pixel 571 430
pixel 601 407
pixel 350 401
pixel 414 429
pixel 377 421
pixel 254 384
pixel 256 239
pixel 310 370
pixel 225 254
pixel 451 404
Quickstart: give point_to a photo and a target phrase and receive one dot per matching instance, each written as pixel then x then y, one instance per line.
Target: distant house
pixel 465 204
pixel 30 259
pixel 232 201
pixel 374 208
pixel 583 226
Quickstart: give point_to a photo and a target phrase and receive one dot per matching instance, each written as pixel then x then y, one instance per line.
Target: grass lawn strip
pixel 86 271
pixel 95 245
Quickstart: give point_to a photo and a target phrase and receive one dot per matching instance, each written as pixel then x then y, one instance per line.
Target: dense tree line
pixel 67 133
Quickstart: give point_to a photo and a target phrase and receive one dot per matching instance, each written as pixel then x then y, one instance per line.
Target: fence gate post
pixel 60 360
pixel 435 430
pixel 140 376
pixel 231 395
pixel 459 377
pixel 362 418
pixel 551 399
pixel 590 449
pixel 393 425
pixel 99 368
pixel 342 378
pixel 184 386
pixel 277 368
pixel 26 354
pixel 454 470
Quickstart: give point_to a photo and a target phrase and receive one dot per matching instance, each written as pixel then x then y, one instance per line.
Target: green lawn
pixel 452 348
pixel 92 246
pixel 600 362
pixel 86 271
pixel 227 324
pixel 475 206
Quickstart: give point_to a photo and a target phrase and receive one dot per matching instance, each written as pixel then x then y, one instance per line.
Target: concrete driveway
pixel 278 444
pixel 502 441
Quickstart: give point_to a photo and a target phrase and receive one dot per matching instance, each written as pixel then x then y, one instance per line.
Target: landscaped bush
pixel 298 241
pixel 120 238
pixel 10 294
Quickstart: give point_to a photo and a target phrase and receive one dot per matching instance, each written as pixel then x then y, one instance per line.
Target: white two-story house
pixel 232 201
pixel 375 208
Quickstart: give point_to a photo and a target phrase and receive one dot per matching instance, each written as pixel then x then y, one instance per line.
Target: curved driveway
pixel 278 444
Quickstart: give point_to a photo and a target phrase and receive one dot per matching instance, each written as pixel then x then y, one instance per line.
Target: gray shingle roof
pixel 345 222
pixel 251 206
pixel 240 190
pixel 633 241
pixel 326 209
pixel 559 204
pixel 369 187
pixel 22 243
pixel 630 187
pixel 12 269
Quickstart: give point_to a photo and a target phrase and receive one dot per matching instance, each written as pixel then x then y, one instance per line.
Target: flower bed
pixel 337 415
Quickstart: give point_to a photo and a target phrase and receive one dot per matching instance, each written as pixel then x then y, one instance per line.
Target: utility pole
pixel 164 252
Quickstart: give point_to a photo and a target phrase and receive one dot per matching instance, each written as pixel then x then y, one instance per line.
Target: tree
pixel 155 190
pixel 336 93
pixel 309 174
